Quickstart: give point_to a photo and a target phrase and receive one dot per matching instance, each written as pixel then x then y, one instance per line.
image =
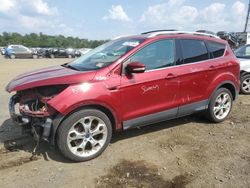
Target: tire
pixel 34 56
pixel 12 56
pixel 52 56
pixel 215 107
pixel 245 84
pixel 69 56
pixel 75 141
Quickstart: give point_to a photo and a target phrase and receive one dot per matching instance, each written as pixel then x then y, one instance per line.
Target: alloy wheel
pixel 246 85
pixel 222 106
pixel 87 136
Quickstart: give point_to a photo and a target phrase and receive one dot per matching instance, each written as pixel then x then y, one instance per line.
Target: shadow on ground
pixel 159 126
pixel 10 130
pixel 15 141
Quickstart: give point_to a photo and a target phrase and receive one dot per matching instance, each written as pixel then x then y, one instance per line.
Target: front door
pixel 150 97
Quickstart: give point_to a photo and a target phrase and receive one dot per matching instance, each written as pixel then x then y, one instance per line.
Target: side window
pixel 247 52
pixel 157 55
pixel 194 50
pixel 21 49
pixel 243 52
pixel 216 49
pixel 17 49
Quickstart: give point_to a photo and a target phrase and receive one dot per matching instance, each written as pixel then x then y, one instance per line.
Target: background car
pixel 20 51
pixel 77 53
pixel 41 52
pixel 84 50
pixel 2 50
pixel 243 53
pixel 60 53
pixel 230 37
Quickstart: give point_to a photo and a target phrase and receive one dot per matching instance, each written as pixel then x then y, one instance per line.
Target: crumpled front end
pixel 30 108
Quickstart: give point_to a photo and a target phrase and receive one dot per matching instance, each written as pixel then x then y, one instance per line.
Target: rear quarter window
pixel 216 49
pixel 194 50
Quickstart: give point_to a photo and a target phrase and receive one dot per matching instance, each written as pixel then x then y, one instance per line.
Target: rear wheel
pixel 84 135
pixel 220 105
pixel 34 56
pixel 245 84
pixel 69 56
pixel 52 56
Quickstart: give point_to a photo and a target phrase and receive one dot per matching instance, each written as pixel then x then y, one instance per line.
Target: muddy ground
pixel 188 152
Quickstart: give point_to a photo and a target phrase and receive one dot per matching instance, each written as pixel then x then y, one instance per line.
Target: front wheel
pixel 220 105
pixel 12 56
pixel 84 135
pixel 245 84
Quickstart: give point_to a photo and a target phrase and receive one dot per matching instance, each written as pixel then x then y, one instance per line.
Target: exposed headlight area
pixel 30 107
pixel 34 102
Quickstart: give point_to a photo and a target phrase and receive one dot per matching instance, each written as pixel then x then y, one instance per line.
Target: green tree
pixel 43 40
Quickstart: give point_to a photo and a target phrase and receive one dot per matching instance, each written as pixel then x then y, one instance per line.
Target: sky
pixel 107 19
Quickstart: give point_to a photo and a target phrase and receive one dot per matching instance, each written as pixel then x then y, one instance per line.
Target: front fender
pixel 76 96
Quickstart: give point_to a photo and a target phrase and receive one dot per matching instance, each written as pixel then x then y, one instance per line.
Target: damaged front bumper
pixel 38 122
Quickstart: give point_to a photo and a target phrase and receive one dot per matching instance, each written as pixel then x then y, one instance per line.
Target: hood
pixel 57 75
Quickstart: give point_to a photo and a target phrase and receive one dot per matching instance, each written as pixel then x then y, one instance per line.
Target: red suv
pixel 128 82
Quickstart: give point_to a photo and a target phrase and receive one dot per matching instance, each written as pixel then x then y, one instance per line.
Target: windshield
pixel 243 52
pixel 105 54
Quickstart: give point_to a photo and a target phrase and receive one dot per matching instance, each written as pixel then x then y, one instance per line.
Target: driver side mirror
pixel 135 67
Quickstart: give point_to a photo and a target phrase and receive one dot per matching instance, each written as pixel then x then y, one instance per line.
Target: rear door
pixel 27 53
pixel 150 97
pixel 195 73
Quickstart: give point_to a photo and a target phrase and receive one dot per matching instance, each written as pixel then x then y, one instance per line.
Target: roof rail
pixel 153 34
pixel 121 36
pixel 161 30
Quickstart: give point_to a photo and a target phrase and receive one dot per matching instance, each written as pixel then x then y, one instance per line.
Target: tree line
pixel 43 40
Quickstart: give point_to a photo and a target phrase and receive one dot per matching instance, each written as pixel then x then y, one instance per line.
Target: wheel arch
pixel 228 85
pixel 60 118
pixel 243 76
pixel 244 73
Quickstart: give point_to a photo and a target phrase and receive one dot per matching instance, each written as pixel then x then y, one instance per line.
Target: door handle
pixel 211 68
pixel 171 76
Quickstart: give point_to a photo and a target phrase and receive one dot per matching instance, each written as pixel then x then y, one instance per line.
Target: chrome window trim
pixel 191 63
pixel 226 48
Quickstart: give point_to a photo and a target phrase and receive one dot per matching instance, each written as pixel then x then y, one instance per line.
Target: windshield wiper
pixel 67 65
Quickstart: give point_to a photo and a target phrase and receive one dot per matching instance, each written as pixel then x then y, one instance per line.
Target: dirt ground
pixel 188 152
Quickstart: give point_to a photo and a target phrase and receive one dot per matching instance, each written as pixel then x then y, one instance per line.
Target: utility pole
pixel 247 18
